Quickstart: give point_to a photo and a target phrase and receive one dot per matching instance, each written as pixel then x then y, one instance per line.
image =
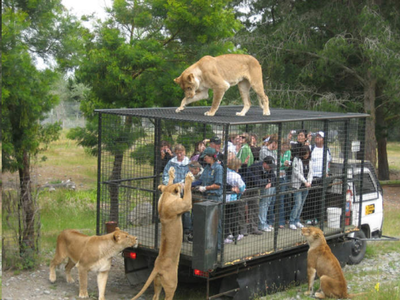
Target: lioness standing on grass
pixel 219 74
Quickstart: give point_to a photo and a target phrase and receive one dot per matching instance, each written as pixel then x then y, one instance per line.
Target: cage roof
pixel 227 114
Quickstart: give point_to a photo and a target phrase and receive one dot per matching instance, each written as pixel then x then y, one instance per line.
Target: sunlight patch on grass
pixel 393 152
pixel 66 210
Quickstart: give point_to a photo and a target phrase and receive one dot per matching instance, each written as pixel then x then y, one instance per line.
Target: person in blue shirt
pixel 211 183
pixel 211 178
pixel 180 162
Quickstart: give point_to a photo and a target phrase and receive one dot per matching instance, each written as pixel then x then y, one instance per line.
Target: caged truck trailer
pixel 346 203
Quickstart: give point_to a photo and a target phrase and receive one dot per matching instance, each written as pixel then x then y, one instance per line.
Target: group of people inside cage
pixel 252 170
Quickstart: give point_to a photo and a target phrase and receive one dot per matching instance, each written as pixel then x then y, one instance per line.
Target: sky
pixel 86 7
pixel 79 8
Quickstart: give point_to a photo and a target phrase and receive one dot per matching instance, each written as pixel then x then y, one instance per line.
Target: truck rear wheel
pixel 358 248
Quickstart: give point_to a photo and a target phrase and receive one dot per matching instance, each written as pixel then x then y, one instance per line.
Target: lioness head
pixel 188 84
pixel 174 189
pixel 124 239
pixel 313 235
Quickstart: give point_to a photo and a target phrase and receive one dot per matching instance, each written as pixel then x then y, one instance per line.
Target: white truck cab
pixel 367 217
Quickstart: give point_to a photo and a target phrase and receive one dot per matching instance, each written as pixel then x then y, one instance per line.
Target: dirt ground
pixel 35 284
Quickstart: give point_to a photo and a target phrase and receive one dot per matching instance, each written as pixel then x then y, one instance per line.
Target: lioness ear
pixel 177 189
pixel 177 80
pixel 190 78
pixel 117 228
pixel 162 187
pixel 116 236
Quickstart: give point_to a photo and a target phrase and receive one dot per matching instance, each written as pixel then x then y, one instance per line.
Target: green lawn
pixel 393 151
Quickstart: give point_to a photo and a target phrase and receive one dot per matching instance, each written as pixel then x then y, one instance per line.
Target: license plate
pixel 369 209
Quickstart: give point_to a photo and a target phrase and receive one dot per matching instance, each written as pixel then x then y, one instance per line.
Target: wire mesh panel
pixel 270 176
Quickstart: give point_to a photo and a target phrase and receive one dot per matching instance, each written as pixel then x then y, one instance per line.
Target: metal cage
pixel 130 169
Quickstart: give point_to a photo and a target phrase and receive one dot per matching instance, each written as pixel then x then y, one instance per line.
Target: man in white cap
pixel 311 211
pixel 317 155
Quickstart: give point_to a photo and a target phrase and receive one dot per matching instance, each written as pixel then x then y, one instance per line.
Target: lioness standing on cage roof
pixel 219 74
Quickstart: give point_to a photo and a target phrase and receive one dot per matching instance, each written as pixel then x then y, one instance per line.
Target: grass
pixel 79 206
pixel 393 151
pixel 65 160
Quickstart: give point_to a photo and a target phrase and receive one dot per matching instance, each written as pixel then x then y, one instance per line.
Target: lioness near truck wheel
pixel 170 209
pixel 219 74
pixel 89 253
pixel 322 262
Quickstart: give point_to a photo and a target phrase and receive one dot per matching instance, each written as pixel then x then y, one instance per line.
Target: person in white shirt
pixel 311 210
pixel 317 156
pixel 233 143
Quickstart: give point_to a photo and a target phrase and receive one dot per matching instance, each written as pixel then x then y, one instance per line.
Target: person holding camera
pixel 166 155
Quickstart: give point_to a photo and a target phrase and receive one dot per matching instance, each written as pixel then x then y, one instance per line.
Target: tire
pixel 358 248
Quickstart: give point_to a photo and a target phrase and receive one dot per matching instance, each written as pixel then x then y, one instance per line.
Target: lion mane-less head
pixel 174 189
pixel 313 235
pixel 124 238
pixel 169 194
pixel 188 84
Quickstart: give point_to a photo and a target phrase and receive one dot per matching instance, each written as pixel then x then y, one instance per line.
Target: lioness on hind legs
pixel 89 253
pixel 219 74
pixel 170 209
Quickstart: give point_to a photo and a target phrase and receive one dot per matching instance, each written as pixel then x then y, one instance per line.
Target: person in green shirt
pixel 284 181
pixel 245 150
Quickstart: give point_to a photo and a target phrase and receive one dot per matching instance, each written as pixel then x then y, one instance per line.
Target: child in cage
pixel 235 181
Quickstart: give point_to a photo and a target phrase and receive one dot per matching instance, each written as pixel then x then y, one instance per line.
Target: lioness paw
pixel 267 113
pixel 179 109
pixel 52 278
pixel 207 113
pixel 83 294
pixel 171 172
pixel 240 114
pixel 189 176
pixel 307 293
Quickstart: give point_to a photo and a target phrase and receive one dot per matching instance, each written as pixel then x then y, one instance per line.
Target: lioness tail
pixel 147 284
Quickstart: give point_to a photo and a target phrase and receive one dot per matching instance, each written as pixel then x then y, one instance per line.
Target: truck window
pixel 368 184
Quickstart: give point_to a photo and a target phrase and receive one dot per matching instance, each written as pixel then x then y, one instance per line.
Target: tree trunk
pixel 381 130
pixel 114 187
pixel 369 107
pixel 27 239
pixel 117 170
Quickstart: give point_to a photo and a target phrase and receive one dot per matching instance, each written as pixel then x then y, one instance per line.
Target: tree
pixel 133 56
pixel 30 29
pixel 332 53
